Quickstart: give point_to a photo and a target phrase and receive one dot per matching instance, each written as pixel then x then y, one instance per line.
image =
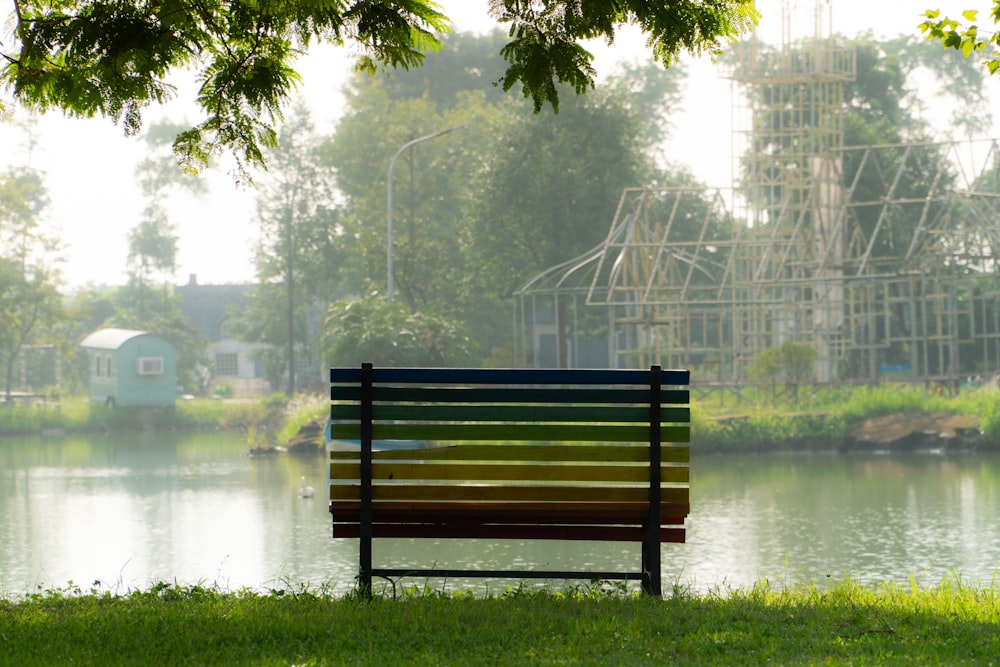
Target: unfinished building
pixel 881 258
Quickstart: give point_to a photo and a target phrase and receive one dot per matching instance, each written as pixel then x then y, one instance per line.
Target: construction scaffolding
pixel 882 258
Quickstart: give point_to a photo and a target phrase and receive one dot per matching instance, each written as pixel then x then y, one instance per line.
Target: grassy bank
pixel 77 414
pixel 828 414
pixel 952 624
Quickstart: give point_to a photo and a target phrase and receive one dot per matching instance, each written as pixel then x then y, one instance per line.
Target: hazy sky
pixel 89 163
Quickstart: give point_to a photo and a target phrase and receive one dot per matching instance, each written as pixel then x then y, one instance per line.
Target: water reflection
pixel 133 510
pixel 874 518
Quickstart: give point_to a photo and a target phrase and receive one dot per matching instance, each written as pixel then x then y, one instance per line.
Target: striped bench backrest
pixel 510 453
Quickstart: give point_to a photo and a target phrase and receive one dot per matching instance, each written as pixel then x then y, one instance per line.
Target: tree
pixel 152 251
pixel 299 238
pixel 794 363
pixel 29 304
pixel 885 90
pixel 652 93
pixel 29 299
pixel 547 196
pixel 465 63
pixel 23 200
pixel 966 36
pixel 431 183
pixel 91 57
pixel 152 243
pixel 452 254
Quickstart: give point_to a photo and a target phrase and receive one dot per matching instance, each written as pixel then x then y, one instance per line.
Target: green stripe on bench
pixel 510 432
pixel 511 413
pixel 532 452
pixel 468 472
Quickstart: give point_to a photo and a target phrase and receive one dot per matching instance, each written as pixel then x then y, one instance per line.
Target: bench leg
pixel 365 561
pixel 365 549
pixel 651 567
pixel 651 529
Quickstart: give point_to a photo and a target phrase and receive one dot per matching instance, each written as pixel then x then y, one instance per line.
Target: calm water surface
pixel 131 510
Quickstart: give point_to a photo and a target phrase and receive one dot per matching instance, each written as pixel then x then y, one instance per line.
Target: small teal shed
pixel 131 368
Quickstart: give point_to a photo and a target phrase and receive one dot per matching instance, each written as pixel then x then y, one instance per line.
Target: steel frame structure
pixel 881 258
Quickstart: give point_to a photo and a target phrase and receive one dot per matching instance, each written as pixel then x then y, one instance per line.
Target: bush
pixel 387 334
pixel 792 363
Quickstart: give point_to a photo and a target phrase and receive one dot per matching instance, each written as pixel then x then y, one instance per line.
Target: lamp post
pixel 392 163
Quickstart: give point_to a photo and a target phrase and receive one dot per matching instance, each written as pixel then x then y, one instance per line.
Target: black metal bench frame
pixel 614 426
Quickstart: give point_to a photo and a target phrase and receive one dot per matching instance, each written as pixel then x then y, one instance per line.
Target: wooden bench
pixel 524 454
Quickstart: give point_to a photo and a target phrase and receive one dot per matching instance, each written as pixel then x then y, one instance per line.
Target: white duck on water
pixel 305 491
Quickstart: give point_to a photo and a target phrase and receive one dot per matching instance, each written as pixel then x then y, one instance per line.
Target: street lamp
pixel 392 163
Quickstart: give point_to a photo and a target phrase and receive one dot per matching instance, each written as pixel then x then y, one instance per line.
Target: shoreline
pixel 900 431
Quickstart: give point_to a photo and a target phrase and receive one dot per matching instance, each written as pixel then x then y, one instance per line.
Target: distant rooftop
pixel 110 339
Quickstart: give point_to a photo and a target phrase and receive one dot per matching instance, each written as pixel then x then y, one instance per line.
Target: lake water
pixel 132 510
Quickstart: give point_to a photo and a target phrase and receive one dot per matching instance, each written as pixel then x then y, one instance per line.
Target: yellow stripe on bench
pixel 461 432
pixel 522 452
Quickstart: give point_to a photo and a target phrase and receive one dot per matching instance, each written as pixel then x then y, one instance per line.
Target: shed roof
pixel 110 339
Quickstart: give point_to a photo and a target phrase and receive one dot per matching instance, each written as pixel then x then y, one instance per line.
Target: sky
pixel 89 164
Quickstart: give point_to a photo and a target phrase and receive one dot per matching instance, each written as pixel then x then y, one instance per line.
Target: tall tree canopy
pixel 479 211
pixel 92 57
pixel 548 195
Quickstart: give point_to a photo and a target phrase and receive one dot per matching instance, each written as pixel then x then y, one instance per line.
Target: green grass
pixel 302 409
pixel 79 414
pixel 951 624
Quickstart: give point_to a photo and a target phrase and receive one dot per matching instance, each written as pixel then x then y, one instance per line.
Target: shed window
pixel 97 369
pixel 149 365
pixel 227 364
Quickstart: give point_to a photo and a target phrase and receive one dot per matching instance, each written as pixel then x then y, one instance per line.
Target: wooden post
pixel 651 538
pixel 365 547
